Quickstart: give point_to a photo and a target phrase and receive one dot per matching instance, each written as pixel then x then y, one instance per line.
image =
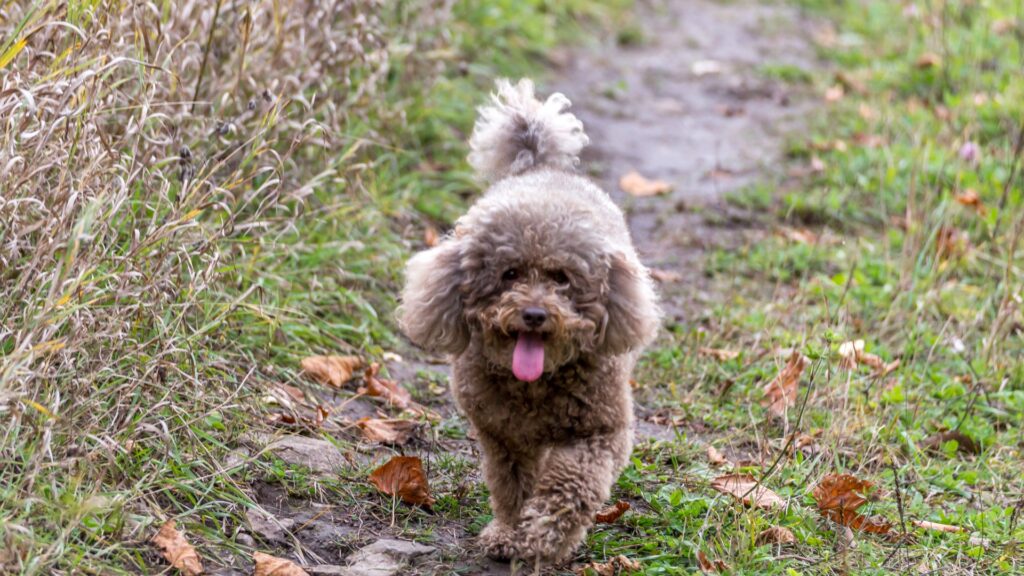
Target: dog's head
pixel 539 290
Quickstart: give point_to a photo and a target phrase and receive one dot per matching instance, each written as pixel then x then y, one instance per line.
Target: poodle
pixel 540 301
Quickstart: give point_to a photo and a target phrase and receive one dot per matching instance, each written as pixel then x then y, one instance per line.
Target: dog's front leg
pixel 574 483
pixel 510 475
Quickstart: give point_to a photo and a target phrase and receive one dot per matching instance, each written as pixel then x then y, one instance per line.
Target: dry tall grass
pixel 143 146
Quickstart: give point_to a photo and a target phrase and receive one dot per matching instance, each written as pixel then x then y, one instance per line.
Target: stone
pixel 318 455
pixel 270 528
pixel 384 557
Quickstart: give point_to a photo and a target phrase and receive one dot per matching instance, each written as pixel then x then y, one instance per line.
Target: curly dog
pixel 540 300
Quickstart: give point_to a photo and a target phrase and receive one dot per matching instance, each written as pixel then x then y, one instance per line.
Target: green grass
pixel 876 273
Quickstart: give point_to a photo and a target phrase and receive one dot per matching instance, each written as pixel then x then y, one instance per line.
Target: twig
pixel 206 56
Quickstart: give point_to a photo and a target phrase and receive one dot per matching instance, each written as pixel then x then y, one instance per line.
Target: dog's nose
pixel 534 317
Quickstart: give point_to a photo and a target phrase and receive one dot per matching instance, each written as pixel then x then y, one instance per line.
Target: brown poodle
pixel 543 306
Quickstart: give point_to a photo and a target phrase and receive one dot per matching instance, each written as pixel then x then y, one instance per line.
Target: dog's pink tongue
pixel 528 357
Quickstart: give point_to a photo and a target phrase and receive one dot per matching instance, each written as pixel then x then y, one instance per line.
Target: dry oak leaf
pixel 776 535
pixel 332 370
pixel 780 393
pixel 388 431
pixel 177 550
pixel 715 458
pixel 840 495
pixel 386 389
pixel 852 353
pixel 745 487
pixel 636 185
pixel 267 565
pixel 612 513
pixel 707 566
pixel 719 354
pixel 613 567
pixel 403 476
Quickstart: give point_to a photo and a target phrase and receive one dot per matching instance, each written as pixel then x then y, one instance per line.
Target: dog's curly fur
pixel 541 237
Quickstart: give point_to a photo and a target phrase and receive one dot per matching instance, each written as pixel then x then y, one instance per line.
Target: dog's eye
pixel 510 274
pixel 558 277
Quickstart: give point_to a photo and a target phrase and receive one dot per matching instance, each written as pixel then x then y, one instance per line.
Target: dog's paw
pixel 548 538
pixel 498 541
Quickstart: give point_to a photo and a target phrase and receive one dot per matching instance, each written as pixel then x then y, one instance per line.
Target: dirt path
pixel 691 105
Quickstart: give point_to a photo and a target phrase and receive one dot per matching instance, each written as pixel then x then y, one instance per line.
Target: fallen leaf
pixel 267 565
pixel 780 393
pixel 928 60
pixel 613 567
pixel 635 184
pixel 817 165
pixel 926 525
pixel 177 550
pixel 715 458
pixel 719 354
pixel 964 443
pixel 386 389
pixel 403 476
pixel 665 276
pixel 776 535
pixel 869 140
pixel 314 422
pixel 612 513
pixel 292 392
pixel 332 370
pixel 835 93
pixel 431 236
pixel 950 242
pixel 866 112
pixel 800 236
pixel 388 431
pixel 707 566
pixel 840 495
pixel 745 488
pixel 970 197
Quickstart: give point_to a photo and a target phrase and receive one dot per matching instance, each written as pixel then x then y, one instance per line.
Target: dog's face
pixel 537 290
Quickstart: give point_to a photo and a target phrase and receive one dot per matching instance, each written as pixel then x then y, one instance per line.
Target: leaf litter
pixel 780 394
pixel 176 549
pixel 840 495
pixel 747 489
pixel 403 477
pixel 331 370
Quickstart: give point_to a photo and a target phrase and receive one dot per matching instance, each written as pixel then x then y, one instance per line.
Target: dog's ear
pixel 431 312
pixel 631 305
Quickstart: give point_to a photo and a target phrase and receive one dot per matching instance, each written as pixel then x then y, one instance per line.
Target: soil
pixel 690 105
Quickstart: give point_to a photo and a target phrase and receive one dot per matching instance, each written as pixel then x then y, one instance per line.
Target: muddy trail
pixel 690 104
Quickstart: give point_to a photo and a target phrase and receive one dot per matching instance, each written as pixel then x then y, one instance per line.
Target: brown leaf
pixel 928 60
pixel 267 565
pixel 719 354
pixel 780 393
pixel 707 566
pixel 835 93
pixel 745 488
pixel 715 458
pixel 612 513
pixel 403 476
pixel 636 185
pixel 950 242
pixel 665 276
pixel 177 550
pixel 926 525
pixel 776 535
pixel 313 422
pixel 840 495
pixel 613 567
pixel 964 443
pixel 292 392
pixel 431 236
pixel 852 354
pixel 388 431
pixel 970 197
pixel 386 389
pixel 332 370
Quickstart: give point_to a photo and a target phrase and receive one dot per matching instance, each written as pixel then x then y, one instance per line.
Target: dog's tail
pixel 517 132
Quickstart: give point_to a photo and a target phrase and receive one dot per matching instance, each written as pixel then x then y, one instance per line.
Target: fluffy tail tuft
pixel 517 132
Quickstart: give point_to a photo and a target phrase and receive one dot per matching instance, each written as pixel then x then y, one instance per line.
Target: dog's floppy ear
pixel 431 312
pixel 631 305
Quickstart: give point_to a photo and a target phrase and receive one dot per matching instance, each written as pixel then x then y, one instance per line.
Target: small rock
pixel 327 570
pixel 384 557
pixel 270 528
pixel 317 455
pixel 243 539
